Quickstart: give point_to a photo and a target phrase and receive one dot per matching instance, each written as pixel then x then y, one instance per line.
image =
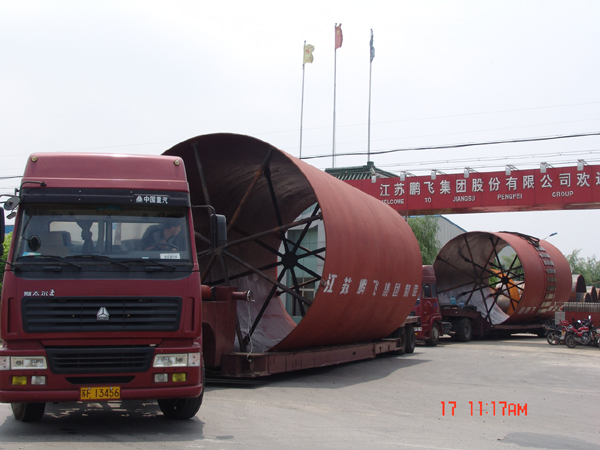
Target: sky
pixel 140 76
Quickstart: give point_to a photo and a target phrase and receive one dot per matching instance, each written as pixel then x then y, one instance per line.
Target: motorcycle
pixel 579 333
pixel 555 334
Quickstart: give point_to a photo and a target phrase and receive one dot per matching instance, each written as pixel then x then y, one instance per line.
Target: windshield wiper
pixel 101 258
pixel 52 258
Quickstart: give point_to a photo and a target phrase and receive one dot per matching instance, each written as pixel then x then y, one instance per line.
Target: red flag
pixel 338 36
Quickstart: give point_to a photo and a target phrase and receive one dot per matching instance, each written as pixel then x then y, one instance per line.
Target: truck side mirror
pixel 218 225
pixel 11 203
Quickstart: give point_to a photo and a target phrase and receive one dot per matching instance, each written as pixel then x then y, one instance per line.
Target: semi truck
pixel 431 324
pixel 123 283
pixel 87 312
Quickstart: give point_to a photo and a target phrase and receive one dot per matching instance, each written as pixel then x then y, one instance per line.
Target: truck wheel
pixel 180 408
pixel 410 339
pixel 464 332
pixel 28 412
pixel 435 337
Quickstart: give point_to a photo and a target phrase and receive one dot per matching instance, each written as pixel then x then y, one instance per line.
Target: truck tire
pixel 28 412
pixel 411 340
pixel 180 408
pixel 183 408
pixel 435 336
pixel 464 331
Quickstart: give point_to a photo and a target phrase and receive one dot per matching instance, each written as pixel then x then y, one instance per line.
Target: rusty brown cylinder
pixel 577 289
pixel 466 267
pixel 371 273
pixel 593 294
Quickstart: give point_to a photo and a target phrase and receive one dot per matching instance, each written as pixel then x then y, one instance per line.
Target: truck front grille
pixel 80 360
pixel 100 314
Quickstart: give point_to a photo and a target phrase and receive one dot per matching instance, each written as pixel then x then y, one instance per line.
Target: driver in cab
pixel 163 238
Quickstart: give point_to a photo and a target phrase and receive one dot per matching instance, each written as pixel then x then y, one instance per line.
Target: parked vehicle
pixel 86 313
pixel 485 294
pixel 121 283
pixel 427 308
pixel 583 332
pixel 555 334
pixel 577 314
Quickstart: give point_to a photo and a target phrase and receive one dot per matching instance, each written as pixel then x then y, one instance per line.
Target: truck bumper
pixel 37 396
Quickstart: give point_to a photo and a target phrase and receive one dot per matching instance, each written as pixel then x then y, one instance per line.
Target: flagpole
pixel 338 43
pixel 371 55
pixel 302 102
pixel 369 128
pixel 334 88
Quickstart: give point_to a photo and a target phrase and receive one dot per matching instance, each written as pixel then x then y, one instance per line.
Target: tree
pixel 589 268
pixel 425 229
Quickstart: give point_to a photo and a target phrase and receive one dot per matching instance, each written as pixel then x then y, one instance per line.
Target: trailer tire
pixel 400 334
pixel 411 340
pixel 28 412
pixel 435 336
pixel 464 331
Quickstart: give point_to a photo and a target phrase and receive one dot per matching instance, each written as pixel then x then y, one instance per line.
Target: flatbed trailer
pixel 468 323
pixel 242 365
pixel 223 361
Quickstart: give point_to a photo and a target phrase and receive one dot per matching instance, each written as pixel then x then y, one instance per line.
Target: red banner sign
pixel 521 190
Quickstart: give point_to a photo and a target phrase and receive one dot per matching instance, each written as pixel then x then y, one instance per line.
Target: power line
pixel 471 144
pixel 506 159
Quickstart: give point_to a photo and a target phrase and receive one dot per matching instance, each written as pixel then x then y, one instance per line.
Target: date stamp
pixel 485 408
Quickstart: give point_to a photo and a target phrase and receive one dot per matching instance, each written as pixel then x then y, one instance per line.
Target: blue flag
pixel 372 48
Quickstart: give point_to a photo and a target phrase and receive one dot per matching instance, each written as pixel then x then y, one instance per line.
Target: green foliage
pixel 425 229
pixel 7 239
pixel 589 268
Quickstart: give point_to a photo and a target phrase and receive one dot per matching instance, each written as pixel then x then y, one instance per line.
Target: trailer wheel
pixel 464 331
pixel 410 338
pixel 28 412
pixel 400 334
pixel 435 337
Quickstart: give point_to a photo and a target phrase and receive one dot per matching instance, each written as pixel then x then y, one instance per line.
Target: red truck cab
pixel 428 308
pixel 101 297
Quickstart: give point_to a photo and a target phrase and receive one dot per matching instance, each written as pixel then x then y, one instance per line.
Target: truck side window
pixel 426 291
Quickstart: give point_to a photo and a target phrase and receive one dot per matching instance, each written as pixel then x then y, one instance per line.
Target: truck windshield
pixel 98 232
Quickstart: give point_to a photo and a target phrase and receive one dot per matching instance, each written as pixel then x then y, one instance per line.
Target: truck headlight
pixel 4 362
pixel 28 362
pixel 177 360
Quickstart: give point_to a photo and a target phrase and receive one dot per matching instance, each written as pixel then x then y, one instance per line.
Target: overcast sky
pixel 140 76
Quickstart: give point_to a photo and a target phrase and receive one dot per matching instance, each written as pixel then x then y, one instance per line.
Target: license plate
pixel 100 393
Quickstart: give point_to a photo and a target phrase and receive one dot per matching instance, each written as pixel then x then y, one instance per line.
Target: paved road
pixel 388 403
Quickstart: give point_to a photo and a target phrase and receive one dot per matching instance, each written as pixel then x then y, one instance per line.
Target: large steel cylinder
pixel 508 277
pixel 577 289
pixel 327 264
